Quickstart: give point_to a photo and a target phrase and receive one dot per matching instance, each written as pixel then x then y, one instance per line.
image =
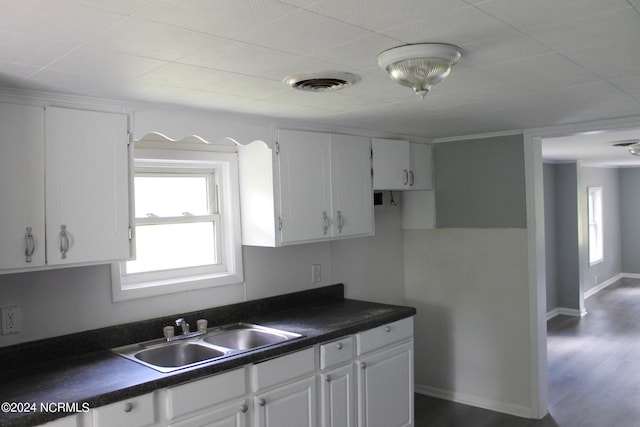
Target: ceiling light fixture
pixel 634 149
pixel 420 66
pixel 632 145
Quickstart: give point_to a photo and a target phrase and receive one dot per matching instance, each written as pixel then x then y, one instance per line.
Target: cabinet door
pixel 420 175
pixel 136 412
pixel 21 186
pixel 87 193
pixel 235 414
pixel 292 405
pixel 391 164
pixel 305 185
pixel 385 388
pixel 337 407
pixel 352 191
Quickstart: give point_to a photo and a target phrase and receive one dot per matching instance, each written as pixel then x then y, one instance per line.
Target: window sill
pixel 124 292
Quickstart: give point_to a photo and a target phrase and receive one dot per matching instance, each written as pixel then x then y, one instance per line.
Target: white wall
pixel 470 287
pixel 64 301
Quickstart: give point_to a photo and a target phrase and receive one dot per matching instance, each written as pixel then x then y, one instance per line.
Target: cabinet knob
pixel 128 407
pixel 339 346
pixel 262 402
pixel 363 365
pixel 387 329
pixel 244 408
pixel 327 378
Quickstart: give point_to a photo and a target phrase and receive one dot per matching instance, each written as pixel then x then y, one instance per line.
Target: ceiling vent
pixel 321 82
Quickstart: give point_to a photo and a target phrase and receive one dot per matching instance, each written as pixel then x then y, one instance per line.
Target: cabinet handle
pixel 339 346
pixel 64 242
pixel 30 246
pixel 325 222
pixel 327 378
pixel 262 402
pixel 405 175
pixel 340 222
pixel 128 407
pixel 411 179
pixel 244 408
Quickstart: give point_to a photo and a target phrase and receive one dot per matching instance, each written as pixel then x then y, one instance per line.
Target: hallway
pixel 594 370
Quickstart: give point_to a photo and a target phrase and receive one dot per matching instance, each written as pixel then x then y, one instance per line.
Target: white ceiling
pixel 526 63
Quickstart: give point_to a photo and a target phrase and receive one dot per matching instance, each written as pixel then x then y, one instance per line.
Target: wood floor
pixel 594 371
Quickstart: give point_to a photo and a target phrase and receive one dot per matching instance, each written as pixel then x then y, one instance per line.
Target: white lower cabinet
pixel 219 401
pixel 285 390
pixel 291 405
pixel 385 388
pixel 70 421
pixel 385 375
pixel 364 380
pixel 233 414
pixel 136 412
pixel 337 408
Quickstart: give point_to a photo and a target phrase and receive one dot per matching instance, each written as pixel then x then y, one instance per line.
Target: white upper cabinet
pixel 401 165
pixel 391 164
pixel 22 235
pixel 421 172
pixel 312 186
pixel 305 185
pixel 87 183
pixel 67 171
pixel 351 186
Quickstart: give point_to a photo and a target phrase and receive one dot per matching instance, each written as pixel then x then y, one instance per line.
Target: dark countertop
pixel 99 377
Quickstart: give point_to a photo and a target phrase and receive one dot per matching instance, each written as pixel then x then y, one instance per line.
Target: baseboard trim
pixel 566 312
pixel 605 284
pixel 492 405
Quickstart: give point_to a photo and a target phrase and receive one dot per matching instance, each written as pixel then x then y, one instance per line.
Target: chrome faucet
pixel 183 324
pixel 186 332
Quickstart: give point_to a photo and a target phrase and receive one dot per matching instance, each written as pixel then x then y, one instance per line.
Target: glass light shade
pixel 634 149
pixel 420 74
pixel 420 66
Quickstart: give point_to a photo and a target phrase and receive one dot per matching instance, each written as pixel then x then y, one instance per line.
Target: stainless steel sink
pixel 244 336
pixel 178 354
pixel 215 344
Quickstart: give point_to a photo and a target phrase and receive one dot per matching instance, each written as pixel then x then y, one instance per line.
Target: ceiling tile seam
pixel 381 32
pixel 524 33
pixel 69 52
pixel 581 18
pixel 637 8
pixel 218 36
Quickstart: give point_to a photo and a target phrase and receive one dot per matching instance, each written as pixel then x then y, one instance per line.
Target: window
pixel 596 246
pixel 187 232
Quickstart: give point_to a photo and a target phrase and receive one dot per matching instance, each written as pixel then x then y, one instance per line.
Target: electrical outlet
pixel 316 273
pixel 10 320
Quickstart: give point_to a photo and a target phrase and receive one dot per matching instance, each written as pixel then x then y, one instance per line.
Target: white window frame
pixel 595 224
pixel 229 269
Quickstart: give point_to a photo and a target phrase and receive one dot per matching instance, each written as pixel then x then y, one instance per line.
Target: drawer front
pixel 70 421
pixel 283 369
pixel 384 335
pixel 336 352
pixel 200 394
pixel 136 412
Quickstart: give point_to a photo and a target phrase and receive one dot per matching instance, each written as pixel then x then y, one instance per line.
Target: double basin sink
pixel 214 344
